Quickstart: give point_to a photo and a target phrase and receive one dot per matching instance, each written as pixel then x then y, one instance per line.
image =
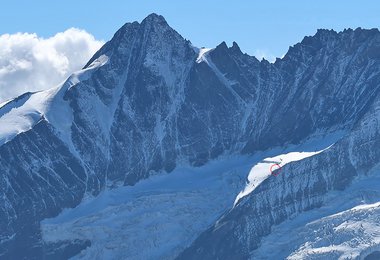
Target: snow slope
pixel 153 107
pixel 21 114
pixel 261 171
pixel 173 208
pixel 202 52
pixel 346 227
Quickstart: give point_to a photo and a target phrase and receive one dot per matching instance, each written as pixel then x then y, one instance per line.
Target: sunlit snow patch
pixel 21 114
pixel 261 171
pixel 159 217
pixel 202 54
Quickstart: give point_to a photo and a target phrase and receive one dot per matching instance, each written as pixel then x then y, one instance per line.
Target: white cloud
pixel 31 63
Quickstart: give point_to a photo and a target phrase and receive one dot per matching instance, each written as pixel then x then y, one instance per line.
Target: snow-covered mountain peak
pixel 149 102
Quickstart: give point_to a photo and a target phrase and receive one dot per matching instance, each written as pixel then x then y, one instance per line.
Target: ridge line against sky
pixel 266 27
pixel 40 45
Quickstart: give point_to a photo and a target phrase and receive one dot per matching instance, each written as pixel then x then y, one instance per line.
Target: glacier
pixel 174 208
pixel 149 110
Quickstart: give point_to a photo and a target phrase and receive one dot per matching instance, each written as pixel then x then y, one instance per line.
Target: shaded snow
pixel 347 226
pixel 160 216
pixel 157 217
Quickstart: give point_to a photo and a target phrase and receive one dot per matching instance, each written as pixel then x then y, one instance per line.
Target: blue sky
pixel 268 27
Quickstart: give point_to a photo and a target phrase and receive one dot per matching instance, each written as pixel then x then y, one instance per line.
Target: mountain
pixel 149 103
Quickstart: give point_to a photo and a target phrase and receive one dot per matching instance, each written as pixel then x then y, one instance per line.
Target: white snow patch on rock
pixel 159 217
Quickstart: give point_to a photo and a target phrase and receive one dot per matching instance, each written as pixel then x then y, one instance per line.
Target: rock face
pixel 39 178
pixel 148 100
pixel 305 186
